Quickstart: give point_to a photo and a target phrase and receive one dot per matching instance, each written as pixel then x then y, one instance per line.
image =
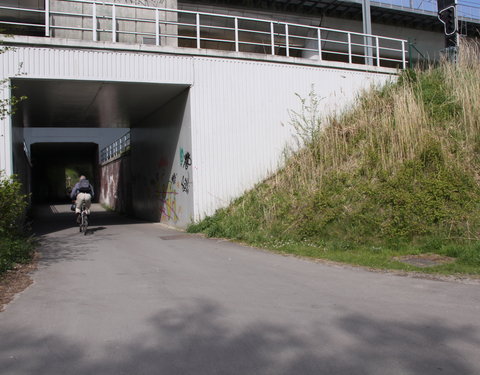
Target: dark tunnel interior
pixel 56 168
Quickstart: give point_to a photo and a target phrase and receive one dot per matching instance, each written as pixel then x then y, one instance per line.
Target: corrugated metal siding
pixel 238 111
pixel 98 65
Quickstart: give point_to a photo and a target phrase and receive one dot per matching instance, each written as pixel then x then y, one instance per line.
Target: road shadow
pixel 197 339
pixel 66 248
pixel 46 219
pixel 91 231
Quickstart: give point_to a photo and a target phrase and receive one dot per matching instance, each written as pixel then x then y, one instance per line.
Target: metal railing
pixel 127 23
pixel 116 149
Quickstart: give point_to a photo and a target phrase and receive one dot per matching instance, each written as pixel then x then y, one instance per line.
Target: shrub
pixel 12 205
pixel 14 250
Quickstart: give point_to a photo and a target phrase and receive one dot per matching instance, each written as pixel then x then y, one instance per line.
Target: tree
pixel 8 106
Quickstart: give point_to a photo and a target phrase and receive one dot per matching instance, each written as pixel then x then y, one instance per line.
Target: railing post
pixel 94 21
pixel 349 48
pixel 198 30
pixel 404 59
pixel 319 44
pixel 272 37
pixel 47 17
pixel 236 35
pixel 287 40
pixel 377 42
pixel 114 24
pixel 157 28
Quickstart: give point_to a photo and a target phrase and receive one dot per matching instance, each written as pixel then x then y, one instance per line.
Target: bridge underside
pixel 88 104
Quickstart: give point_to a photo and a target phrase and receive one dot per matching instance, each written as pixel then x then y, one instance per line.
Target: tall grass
pixel 401 165
pixel 390 125
pixel 464 81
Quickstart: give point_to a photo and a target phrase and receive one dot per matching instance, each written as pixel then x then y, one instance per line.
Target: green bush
pixel 14 250
pixel 14 246
pixel 12 205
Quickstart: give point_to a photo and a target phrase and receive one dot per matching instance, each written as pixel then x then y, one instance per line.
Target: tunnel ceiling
pixel 63 103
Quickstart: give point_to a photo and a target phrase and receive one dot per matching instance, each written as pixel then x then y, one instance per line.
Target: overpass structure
pixel 172 110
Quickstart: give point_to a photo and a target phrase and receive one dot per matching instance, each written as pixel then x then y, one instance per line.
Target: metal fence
pixel 127 23
pixel 116 149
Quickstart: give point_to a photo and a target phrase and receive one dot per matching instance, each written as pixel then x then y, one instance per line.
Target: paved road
pixel 137 298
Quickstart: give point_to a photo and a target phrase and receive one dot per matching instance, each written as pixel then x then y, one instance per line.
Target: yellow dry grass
pixel 385 128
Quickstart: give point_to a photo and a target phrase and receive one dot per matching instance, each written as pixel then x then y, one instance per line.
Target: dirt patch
pixel 425 260
pixel 15 281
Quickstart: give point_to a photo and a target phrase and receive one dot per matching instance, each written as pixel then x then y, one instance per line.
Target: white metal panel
pixel 83 64
pixel 240 119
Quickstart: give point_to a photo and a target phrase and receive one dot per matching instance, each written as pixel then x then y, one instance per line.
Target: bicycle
pixel 83 224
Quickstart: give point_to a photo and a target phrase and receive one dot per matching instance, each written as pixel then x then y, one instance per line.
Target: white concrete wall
pixel 104 15
pixel 428 42
pixel 237 107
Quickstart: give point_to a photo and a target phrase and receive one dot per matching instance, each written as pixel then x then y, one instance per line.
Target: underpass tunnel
pixel 68 128
pixel 56 167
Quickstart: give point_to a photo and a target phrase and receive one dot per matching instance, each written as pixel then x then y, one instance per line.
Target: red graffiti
pixel 163 162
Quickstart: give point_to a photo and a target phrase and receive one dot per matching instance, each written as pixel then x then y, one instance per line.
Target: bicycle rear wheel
pixel 85 223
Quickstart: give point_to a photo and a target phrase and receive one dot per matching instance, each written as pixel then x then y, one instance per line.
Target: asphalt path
pixel 139 298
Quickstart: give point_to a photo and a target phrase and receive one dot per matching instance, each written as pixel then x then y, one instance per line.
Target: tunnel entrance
pixel 64 127
pixel 56 167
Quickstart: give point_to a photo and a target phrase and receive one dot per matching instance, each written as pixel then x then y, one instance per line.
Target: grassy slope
pixel 396 175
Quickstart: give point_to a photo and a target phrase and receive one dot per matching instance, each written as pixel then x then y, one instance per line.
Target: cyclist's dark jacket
pixel 76 190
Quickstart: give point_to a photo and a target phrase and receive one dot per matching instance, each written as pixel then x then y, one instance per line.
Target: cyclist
pixel 82 192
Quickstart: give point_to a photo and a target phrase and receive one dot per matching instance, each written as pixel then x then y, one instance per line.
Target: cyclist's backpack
pixel 84 186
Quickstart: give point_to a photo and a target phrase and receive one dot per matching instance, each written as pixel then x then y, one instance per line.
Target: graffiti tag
pixel 186 184
pixel 163 162
pixel 187 161
pixel 168 197
pixel 182 157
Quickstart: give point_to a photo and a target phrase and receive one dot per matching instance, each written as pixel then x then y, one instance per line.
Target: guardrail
pixel 127 23
pixel 116 149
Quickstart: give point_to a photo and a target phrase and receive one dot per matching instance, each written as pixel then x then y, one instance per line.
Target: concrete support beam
pixel 367 29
